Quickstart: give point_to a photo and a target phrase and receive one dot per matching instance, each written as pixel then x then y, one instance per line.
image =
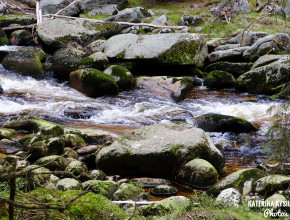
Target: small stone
pixel 68 184
pixel 163 190
pixel 229 197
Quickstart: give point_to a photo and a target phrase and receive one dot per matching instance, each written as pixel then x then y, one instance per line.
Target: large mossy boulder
pixel 128 192
pixel 105 188
pixel 174 48
pixel 63 66
pixel 264 79
pixel 236 69
pixel 271 184
pixel 198 173
pixel 59 32
pixel 224 123
pixel 267 59
pixel 172 205
pixel 93 82
pixel 158 150
pixel 269 44
pixel 68 184
pixel 52 7
pixel 122 76
pixel 219 79
pixel 165 86
pixel 163 190
pixel 26 63
pixel 236 180
pixel 34 124
pixel 3 38
pixel 21 20
pixel 77 168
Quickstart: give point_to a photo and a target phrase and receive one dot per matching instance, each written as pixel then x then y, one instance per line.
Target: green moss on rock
pixel 3 38
pixel 219 79
pixel 105 188
pixel 7 133
pixel 122 76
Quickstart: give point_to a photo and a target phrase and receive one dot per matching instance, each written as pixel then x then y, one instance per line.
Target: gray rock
pixel 131 30
pixel 213 43
pixel 229 197
pixel 189 20
pixel 110 9
pixel 53 162
pixel 161 20
pixel 77 168
pixel 287 9
pixel 6 133
pixel 242 6
pixel 224 123
pixel 68 184
pixel 3 39
pixel 10 146
pixel 235 54
pixel 4 9
pixel 30 3
pixel 59 32
pixel 147 182
pixel 128 191
pixel 163 48
pixel 236 180
pixel 236 69
pixel 264 79
pixel 53 6
pixel 21 38
pixel 219 79
pixel 276 199
pixel 122 76
pixel 105 188
pixel 271 184
pixel 21 20
pixel 143 152
pixel 89 149
pixel 95 46
pixel 227 47
pixel 197 173
pixel 163 190
pixel 70 52
pixel 164 86
pixel 94 7
pixel 269 44
pixel 174 204
pixel 267 59
pixel 132 15
pixel 97 175
pixel 249 38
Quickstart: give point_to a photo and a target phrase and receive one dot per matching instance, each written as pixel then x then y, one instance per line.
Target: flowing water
pixel 55 101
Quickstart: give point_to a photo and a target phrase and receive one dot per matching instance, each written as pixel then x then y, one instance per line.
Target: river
pixel 57 102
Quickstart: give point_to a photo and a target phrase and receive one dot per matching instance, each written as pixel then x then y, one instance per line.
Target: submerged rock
pixel 224 123
pixel 165 86
pixel 178 49
pixel 163 190
pixel 219 79
pixel 264 79
pixel 236 180
pixel 157 150
pixel 93 82
pixel 147 182
pixel 198 173
pixel 59 32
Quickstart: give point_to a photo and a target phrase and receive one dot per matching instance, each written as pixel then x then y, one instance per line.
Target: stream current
pixel 57 102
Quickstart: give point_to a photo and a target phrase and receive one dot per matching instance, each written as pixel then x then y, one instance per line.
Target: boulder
pixel 74 141
pixel 122 76
pixel 277 199
pixel 21 38
pixel 53 162
pixel 77 168
pixel 52 7
pixel 287 9
pixel 189 20
pixel 128 191
pixel 93 82
pixel 163 190
pixel 197 173
pixel 89 149
pixel 219 79
pixel 267 59
pixel 34 124
pixel 97 175
pixel 164 86
pixel 9 146
pixel 174 204
pixel 270 44
pixel 95 46
pixel 236 180
pixel 229 197
pixel 249 38
pixel 68 184
pixel 21 20
pixel 142 152
pixel 63 66
pixel 236 69
pixel 70 153
pixel 3 38
pixel 132 15
pixel 69 52
pixel 234 55
pixel 26 63
pixel 147 182
pixel 270 184
pixel 40 179
pixel 59 32
pixel 161 20
pixel 30 3
pixel 173 48
pixel 105 188
pixel 264 79
pixel 224 123
pixel 6 133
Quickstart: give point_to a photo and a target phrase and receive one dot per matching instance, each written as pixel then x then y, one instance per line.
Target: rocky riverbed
pixel 114 109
